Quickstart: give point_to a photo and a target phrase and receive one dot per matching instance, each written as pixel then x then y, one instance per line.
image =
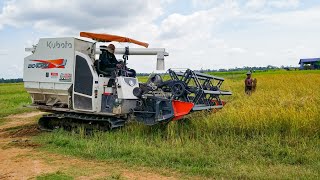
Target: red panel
pixel 181 108
pixel 54 63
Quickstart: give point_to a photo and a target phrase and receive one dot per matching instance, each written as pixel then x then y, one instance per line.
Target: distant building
pixel 311 63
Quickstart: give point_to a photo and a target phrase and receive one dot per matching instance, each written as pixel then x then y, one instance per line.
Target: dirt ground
pixel 21 158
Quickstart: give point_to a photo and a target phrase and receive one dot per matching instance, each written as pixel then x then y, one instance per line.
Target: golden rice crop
pixel 285 103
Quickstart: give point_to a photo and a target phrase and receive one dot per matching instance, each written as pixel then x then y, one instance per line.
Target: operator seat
pixel 103 65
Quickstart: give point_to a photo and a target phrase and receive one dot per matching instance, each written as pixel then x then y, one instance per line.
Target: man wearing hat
pixel 108 59
pixel 248 83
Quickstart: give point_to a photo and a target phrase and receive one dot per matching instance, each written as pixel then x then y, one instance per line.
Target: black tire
pixel 178 89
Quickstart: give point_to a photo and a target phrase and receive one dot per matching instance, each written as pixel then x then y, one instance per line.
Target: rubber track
pixel 113 121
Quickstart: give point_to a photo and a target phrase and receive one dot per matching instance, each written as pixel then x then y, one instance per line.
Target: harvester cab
pixel 64 77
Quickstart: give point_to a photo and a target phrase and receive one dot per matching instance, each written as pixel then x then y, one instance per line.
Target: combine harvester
pixel 63 77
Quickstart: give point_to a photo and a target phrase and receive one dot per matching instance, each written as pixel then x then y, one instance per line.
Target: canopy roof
pixel 110 37
pixel 309 60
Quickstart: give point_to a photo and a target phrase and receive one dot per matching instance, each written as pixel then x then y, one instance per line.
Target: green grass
pixel 12 99
pixel 55 176
pixel 113 177
pixel 181 147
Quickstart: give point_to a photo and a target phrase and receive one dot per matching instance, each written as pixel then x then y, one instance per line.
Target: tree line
pixel 17 80
pixel 244 68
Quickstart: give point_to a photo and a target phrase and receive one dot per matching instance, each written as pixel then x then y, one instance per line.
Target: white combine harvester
pixel 63 77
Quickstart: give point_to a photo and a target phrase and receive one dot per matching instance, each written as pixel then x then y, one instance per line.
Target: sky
pixel 197 34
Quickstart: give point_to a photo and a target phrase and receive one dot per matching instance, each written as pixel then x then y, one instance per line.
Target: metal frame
pixel 205 91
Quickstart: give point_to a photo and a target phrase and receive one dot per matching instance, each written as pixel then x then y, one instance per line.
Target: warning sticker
pixel 54 75
pixel 65 77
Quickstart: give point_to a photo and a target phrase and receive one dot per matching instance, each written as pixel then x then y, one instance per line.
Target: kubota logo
pixel 57 44
pixel 48 64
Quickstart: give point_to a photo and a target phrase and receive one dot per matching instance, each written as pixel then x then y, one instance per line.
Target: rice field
pixel 12 99
pixel 272 134
pixel 285 103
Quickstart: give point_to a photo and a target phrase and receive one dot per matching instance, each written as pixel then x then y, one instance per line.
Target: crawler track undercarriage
pixel 74 121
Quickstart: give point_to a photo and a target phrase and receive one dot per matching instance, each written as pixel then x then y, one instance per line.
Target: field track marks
pixel 25 115
pixel 21 158
pixel 17 120
pixel 25 163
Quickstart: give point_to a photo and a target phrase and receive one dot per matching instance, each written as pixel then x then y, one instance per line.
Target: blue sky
pixel 197 33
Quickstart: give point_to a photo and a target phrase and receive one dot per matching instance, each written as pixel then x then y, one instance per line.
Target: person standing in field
pixel 248 84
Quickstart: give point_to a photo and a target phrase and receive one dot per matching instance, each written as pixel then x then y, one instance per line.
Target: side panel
pixel 82 102
pixel 85 84
pixel 125 86
pixel 52 61
pixel 48 72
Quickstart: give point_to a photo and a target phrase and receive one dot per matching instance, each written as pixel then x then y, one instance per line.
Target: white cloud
pixel 12 71
pixel 236 50
pixel 255 4
pixel 204 4
pixel 259 54
pixel 198 24
pixel 279 4
pixel 299 18
pixel 75 15
pixel 3 52
pixel 284 3
pixel 167 1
